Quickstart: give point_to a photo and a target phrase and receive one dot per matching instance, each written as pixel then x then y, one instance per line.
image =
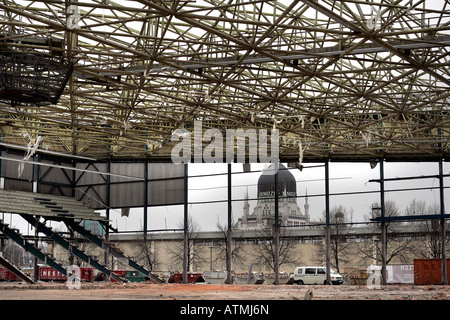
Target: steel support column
pixel 145 199
pixel 185 227
pixel 443 237
pixel 229 252
pixel 108 204
pixel 383 226
pixel 327 223
pixel 276 233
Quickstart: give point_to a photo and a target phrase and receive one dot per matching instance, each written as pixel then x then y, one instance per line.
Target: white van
pixel 315 275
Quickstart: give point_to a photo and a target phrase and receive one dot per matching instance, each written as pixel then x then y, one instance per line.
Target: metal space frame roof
pixel 343 80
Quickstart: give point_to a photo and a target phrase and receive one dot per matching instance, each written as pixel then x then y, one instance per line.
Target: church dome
pixel 286 181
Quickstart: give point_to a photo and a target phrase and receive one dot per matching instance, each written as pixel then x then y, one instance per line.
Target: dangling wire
pixel 31 150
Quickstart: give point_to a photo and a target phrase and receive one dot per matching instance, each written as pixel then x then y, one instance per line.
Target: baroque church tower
pixel 263 216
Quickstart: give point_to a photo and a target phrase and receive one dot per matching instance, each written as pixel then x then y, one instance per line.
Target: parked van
pixel 315 275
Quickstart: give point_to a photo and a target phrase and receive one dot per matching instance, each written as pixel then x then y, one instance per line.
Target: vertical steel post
pixel 327 223
pixel 2 241
pixel 229 230
pixel 383 226
pixel 35 179
pixel 108 204
pixel 443 231
pixel 145 198
pixel 2 180
pixel 36 244
pixel 276 234
pixel 186 226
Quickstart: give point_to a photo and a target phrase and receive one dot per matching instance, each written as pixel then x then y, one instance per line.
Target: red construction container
pixel 193 277
pixel 2 274
pixel 87 274
pixel 120 273
pixel 429 271
pixel 6 275
pixel 50 274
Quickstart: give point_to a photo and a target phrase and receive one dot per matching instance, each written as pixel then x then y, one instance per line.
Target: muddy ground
pixel 150 291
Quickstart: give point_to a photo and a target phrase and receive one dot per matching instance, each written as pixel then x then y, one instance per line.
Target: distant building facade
pixel 263 215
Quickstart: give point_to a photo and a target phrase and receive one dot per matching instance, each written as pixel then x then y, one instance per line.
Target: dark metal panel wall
pixel 11 174
pixel 115 184
pixel 127 192
pixel 55 181
pixel 165 184
pixel 90 188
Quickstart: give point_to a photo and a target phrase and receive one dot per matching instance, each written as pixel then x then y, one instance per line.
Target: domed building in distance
pixel 263 216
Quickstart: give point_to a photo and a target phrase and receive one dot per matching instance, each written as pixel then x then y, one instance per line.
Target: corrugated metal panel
pixel 428 271
pixel 165 192
pixel 126 192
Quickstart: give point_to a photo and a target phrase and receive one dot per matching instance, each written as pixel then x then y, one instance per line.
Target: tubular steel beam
pixel 71 248
pixel 409 218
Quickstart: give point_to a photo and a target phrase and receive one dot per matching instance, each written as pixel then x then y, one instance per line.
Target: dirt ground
pixel 150 291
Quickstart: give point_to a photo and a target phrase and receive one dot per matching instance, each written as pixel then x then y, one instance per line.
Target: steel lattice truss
pixel 340 79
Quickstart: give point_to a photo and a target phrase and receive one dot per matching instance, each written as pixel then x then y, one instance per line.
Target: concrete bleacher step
pixel 45 205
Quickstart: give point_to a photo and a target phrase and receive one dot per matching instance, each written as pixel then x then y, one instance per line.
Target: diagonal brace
pixel 17 238
pixel 111 250
pixel 71 248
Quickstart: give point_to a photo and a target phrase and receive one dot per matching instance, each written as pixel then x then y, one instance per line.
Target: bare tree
pixel 145 253
pixel 236 250
pixel 264 251
pixel 339 247
pixel 431 246
pixel 415 208
pixel 195 258
pixel 396 248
